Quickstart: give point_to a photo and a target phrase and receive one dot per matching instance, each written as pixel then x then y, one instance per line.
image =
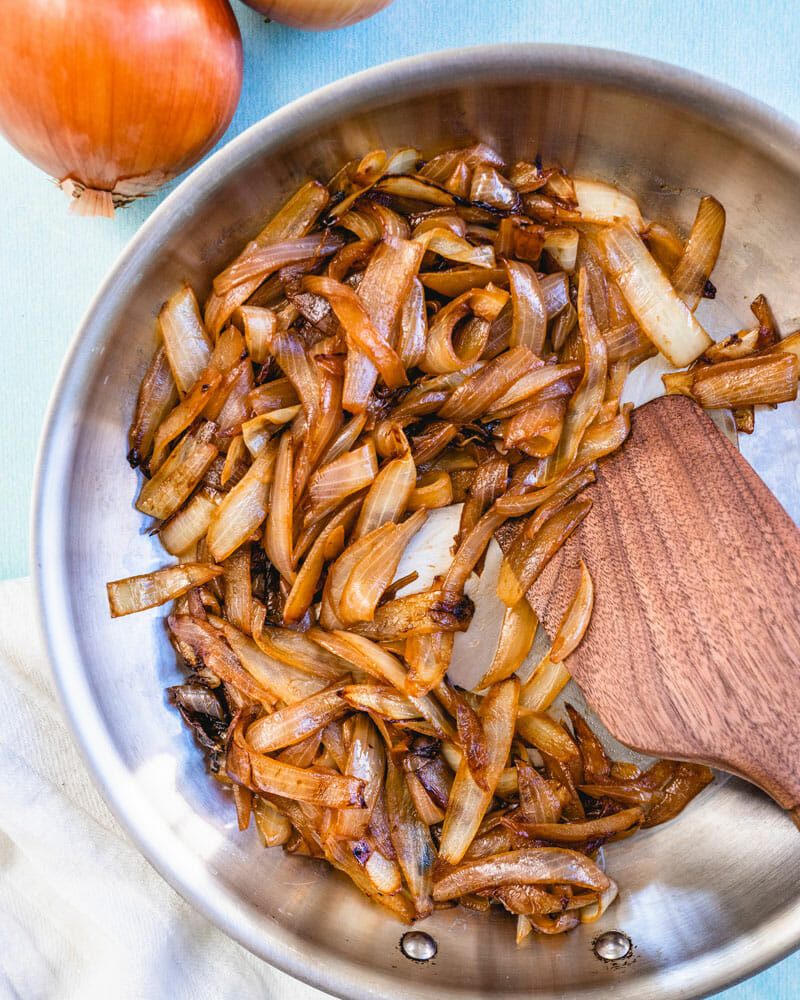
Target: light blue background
pixel 51 263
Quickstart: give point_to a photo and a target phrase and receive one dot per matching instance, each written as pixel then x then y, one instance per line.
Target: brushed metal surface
pixel 710 898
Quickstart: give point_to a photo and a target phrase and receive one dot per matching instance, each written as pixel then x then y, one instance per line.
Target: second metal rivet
pixel 612 946
pixel 418 946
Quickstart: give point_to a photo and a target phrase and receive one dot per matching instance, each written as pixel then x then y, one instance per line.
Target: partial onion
pixel 317 15
pixel 115 99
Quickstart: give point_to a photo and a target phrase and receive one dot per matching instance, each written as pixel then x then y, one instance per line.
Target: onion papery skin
pixel 117 97
pixel 318 15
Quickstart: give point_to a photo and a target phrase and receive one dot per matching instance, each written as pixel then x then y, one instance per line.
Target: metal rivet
pixel 612 946
pixel 418 946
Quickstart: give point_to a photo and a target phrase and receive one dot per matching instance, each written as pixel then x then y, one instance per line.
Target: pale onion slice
pixel 588 914
pixel 547 735
pixel 428 656
pixel 427 809
pixel 186 342
pixel 259 326
pixel 446 243
pixel 340 854
pixel 339 573
pixel 599 202
pixel 238 590
pixel 190 523
pixel 383 871
pixel 418 188
pixel 235 464
pixel 388 496
pixel 257 432
pixel 524 928
pixel 243 510
pixel 516 638
pixel 562 245
pixel 136 593
pixel 662 315
pixel 343 476
pixel 273 828
pixel 544 685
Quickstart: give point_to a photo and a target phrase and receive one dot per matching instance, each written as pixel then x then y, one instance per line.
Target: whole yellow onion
pixel 115 97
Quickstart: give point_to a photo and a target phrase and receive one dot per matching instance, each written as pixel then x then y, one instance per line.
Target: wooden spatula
pixel 693 650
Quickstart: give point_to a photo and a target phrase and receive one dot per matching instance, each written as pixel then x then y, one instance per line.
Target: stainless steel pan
pixel 708 899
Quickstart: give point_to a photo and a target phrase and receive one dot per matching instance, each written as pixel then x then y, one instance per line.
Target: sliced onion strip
pixel 576 618
pixel 468 801
pixel 136 593
pixel 513 645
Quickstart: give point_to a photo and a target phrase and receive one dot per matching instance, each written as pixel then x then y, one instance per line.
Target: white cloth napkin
pixel 82 914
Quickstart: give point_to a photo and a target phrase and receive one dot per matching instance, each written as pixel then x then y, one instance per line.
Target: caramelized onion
pixel 472 383
pixel 532 866
pixel 576 618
